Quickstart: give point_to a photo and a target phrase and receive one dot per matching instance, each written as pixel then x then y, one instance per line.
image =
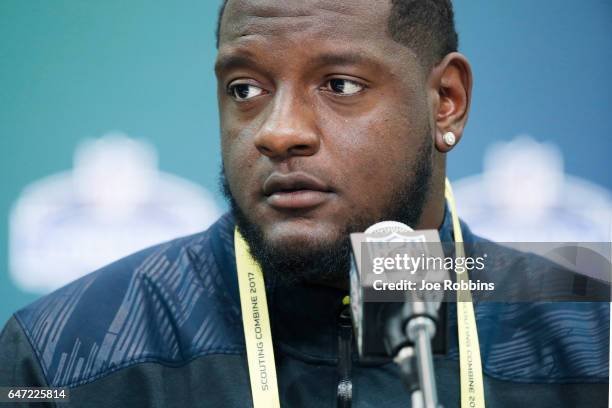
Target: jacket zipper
pixel 344 394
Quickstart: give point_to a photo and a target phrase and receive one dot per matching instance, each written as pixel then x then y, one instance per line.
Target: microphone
pixel 399 324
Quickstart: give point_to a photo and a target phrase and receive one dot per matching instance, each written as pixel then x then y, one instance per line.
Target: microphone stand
pixel 410 335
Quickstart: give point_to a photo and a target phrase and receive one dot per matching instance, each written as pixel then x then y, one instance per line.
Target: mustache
pixel 275 180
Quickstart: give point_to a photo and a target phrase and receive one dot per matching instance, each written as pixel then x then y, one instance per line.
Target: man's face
pixel 324 119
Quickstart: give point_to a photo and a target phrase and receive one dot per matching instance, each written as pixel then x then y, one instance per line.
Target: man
pixel 334 115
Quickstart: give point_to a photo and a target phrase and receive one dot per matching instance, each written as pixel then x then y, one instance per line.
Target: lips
pixel 295 191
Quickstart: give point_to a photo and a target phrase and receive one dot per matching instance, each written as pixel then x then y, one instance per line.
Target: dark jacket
pixel 163 328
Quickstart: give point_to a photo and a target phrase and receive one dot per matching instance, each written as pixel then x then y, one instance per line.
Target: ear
pixel 450 85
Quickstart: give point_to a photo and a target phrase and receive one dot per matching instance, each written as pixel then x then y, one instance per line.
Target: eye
pixel 243 92
pixel 344 87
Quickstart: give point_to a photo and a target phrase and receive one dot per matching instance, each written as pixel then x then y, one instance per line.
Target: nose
pixel 289 129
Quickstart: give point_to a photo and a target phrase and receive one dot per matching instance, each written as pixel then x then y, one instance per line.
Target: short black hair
pixel 425 26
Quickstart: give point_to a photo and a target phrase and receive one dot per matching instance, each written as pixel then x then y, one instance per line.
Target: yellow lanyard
pixel 258 336
pixel 470 366
pixel 256 324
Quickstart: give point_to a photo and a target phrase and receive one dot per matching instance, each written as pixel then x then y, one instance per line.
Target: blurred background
pixel 109 138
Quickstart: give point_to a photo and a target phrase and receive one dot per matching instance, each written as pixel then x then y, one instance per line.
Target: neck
pixel 432 216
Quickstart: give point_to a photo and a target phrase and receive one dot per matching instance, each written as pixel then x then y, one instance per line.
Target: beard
pixel 329 264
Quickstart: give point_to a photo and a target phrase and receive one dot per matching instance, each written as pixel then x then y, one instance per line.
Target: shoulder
pixel 552 325
pixel 168 304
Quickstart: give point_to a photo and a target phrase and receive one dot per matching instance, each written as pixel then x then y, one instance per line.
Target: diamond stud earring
pixel 449 138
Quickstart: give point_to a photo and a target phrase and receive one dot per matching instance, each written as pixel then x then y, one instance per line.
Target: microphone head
pixel 387 227
pixel 373 310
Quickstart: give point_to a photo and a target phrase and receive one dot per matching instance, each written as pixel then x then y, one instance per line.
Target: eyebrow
pixel 232 61
pixel 343 58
